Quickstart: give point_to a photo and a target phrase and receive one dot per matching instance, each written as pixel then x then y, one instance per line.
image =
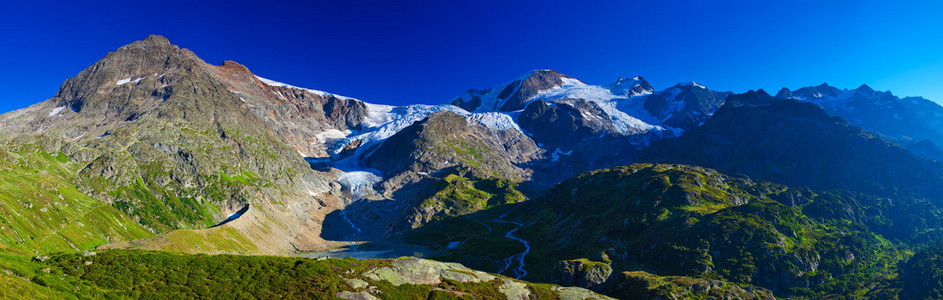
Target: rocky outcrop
pixel 582 273
pixel 428 272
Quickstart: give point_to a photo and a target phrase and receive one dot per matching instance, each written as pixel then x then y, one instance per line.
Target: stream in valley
pixel 519 271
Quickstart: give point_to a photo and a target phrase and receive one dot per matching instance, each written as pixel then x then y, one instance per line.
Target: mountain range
pixel 618 188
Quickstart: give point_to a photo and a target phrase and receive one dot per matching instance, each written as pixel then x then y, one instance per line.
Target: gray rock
pixel 356 283
pixel 422 271
pixel 356 296
pixel 582 273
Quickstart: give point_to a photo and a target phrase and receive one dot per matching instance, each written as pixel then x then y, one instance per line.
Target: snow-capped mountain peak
pixel 635 86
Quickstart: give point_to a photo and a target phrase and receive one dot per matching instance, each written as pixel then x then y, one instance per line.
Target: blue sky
pixel 400 52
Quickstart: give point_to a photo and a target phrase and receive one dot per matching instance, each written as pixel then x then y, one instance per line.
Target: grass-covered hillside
pixel 673 221
pixel 122 274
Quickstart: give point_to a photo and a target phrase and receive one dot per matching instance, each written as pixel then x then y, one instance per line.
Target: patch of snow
pixel 126 80
pixel 609 102
pixel 692 83
pixel 55 111
pixel 831 104
pixel 494 120
pixel 359 183
pixel 234 215
pixel 627 87
pixel 331 134
pixel 378 114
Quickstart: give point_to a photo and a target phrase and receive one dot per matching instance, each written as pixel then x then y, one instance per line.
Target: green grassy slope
pixel 41 211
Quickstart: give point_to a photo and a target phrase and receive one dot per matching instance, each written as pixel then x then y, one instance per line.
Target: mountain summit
pixel 179 144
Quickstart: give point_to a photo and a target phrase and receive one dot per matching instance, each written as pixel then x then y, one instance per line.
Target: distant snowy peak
pixel 830 97
pixel 812 92
pixel 692 84
pixel 512 96
pixel 865 89
pixel 636 86
pixel 547 85
pixel 913 122
pixel 685 105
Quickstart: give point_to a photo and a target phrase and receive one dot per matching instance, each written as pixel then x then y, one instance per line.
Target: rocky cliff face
pixel 305 119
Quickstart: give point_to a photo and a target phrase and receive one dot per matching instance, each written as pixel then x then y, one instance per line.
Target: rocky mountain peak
pixel 512 96
pixel 751 97
pixel 234 66
pixel 545 74
pixel 136 77
pixel 520 91
pixel 864 88
pixel 684 105
pixel 814 92
pixel 632 86
pixel 150 42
